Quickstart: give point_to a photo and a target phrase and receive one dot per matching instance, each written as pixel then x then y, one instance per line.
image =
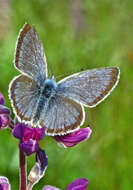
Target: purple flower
pixel 38 170
pixel 29 137
pixel 73 138
pixel 4 113
pixel 4 183
pixel 78 184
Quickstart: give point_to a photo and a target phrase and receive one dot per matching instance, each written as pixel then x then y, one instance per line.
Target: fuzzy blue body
pixel 46 91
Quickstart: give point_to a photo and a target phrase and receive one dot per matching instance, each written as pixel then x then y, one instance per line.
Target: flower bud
pixel 4 183
pixel 34 175
pixel 4 113
pixel 38 170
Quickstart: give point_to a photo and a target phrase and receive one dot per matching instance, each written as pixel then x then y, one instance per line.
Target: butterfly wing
pixel 29 57
pixel 90 87
pixel 24 94
pixel 62 115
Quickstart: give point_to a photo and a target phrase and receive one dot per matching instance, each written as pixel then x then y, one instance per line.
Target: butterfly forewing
pixel 89 87
pixel 24 94
pixel 29 57
pixel 62 116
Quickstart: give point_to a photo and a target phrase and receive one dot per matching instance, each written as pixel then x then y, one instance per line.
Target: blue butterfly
pixel 39 100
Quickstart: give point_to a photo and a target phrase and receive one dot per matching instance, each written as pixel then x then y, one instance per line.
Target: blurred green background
pixel 77 34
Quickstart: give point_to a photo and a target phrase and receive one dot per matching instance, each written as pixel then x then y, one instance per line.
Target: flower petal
pixel 17 131
pixel 2 101
pixel 27 133
pixel 42 159
pixel 22 131
pixel 4 120
pixel 4 110
pixel 49 187
pixel 29 147
pixel 73 138
pixel 0 122
pixel 39 133
pixel 78 184
pixel 4 183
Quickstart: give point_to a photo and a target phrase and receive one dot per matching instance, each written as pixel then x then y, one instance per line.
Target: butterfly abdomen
pixel 41 104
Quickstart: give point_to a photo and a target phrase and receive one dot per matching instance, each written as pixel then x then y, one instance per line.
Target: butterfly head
pixel 50 86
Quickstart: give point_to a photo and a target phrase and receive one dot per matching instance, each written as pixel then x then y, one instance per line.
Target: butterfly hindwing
pixel 89 87
pixel 62 116
pixel 24 94
pixel 29 56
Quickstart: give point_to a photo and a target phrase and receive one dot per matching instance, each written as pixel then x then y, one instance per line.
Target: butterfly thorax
pixel 46 92
pixel 49 87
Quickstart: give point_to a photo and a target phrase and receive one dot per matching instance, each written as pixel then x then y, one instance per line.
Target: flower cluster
pixel 28 143
pixel 29 137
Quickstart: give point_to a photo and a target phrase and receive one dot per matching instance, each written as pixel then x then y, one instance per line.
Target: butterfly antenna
pixel 59 76
pixel 70 73
pixel 50 73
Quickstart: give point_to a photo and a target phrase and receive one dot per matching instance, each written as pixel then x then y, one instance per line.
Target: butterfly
pixel 41 101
